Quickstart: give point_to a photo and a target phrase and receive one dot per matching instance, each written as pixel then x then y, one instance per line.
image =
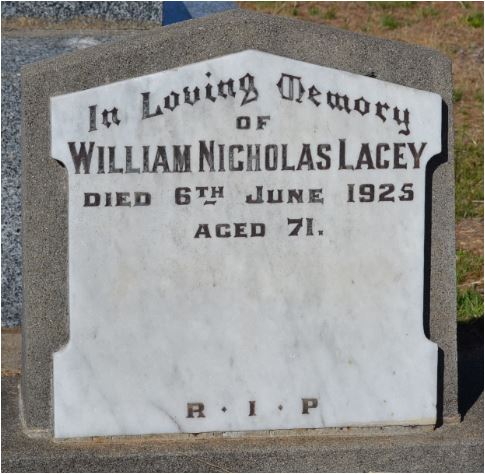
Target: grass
pixel 469 279
pixel 470 306
pixel 330 14
pixel 469 176
pixel 456 30
pixel 390 22
pixel 475 20
pixel 429 11
pixel 314 10
pixel 391 5
pixel 468 268
pixel 457 95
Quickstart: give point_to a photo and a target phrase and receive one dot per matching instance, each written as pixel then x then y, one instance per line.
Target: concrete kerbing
pixel 44 183
pixel 31 433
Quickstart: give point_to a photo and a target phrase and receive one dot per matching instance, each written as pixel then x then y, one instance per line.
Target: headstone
pixel 238 236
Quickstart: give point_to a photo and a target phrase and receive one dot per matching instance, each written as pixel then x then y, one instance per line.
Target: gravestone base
pixel 453 447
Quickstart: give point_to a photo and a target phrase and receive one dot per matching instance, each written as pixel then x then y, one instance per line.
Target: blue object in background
pixel 174 12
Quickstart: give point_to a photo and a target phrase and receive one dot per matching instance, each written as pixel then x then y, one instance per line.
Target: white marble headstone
pixel 246 250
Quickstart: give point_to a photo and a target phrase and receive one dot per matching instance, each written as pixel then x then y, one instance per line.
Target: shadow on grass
pixel 470 364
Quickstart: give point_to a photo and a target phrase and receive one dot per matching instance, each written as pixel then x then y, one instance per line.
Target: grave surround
pixel 45 326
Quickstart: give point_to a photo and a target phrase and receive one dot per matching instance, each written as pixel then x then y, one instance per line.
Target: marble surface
pixel 319 329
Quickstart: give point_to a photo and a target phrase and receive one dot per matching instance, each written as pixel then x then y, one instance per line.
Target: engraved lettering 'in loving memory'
pixel 291 87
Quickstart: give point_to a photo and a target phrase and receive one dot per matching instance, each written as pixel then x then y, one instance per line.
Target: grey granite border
pixel 44 182
pixel 62 11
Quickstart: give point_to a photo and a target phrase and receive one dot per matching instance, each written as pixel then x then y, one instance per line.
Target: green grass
pixel 389 22
pixel 330 14
pixel 429 11
pixel 475 20
pixel 457 95
pixel 469 300
pixel 470 306
pixel 391 5
pixel 313 10
pixel 468 265
pixel 469 177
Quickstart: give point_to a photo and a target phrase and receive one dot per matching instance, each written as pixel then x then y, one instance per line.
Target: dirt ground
pixel 469 235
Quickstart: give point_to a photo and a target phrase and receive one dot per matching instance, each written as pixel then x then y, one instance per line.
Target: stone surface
pixel 323 287
pixel 45 182
pixel 62 11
